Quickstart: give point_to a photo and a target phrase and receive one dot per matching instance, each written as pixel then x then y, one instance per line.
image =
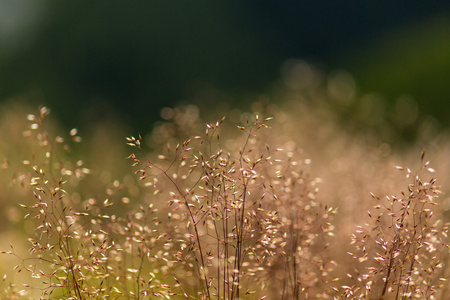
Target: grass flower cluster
pixel 230 209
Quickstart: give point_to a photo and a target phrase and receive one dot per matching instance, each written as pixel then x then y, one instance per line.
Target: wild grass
pixel 400 250
pixel 229 209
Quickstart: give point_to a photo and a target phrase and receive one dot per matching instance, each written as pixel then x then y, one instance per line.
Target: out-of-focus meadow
pixel 351 97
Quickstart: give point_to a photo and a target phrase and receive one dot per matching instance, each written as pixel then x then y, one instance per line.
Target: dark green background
pixel 91 60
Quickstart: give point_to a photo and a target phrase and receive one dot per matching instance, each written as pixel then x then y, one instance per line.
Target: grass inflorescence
pixel 224 212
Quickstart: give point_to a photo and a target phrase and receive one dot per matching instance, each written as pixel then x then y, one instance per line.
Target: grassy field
pixel 292 199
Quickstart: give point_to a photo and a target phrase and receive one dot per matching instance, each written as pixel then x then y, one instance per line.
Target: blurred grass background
pixel 123 62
